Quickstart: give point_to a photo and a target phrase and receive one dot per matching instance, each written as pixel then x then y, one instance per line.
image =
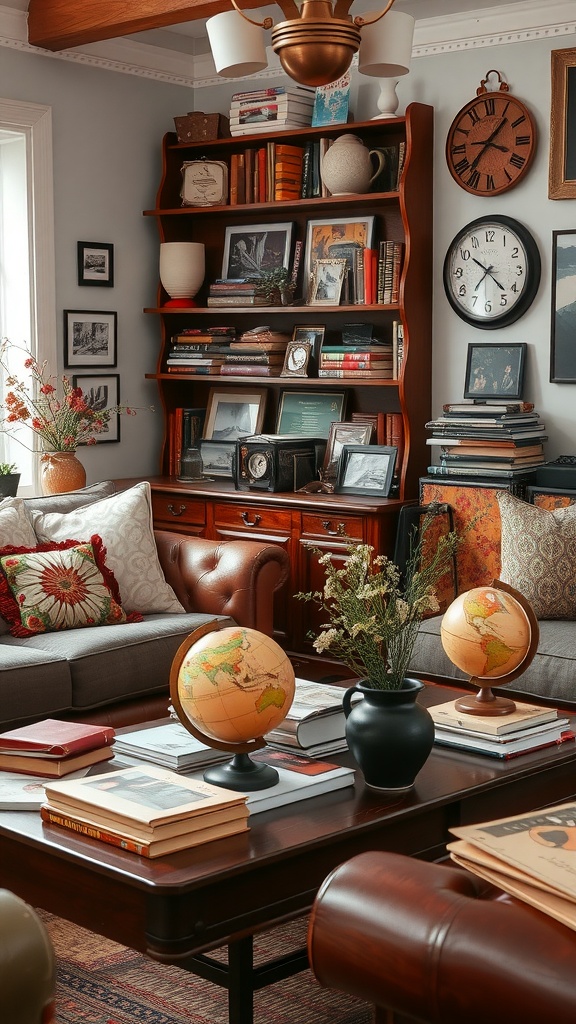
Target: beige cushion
pixel 539 555
pixel 124 522
pixel 15 527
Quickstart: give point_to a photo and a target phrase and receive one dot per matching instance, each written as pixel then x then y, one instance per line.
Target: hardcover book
pixel 492 725
pixel 316 716
pixel 55 738
pixel 53 767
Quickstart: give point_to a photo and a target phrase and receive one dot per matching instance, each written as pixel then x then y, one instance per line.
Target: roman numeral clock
pixel 491 141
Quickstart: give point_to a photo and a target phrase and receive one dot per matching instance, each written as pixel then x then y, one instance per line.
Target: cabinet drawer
pixel 254 517
pixel 332 525
pixel 178 510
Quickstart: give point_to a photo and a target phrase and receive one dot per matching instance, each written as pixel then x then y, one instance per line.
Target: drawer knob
pixel 250 522
pixel 176 511
pixel 340 530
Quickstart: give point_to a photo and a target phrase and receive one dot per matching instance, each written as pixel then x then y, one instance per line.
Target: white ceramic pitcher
pixel 347 169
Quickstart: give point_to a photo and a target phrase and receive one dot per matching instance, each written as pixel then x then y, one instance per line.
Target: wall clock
pixel 491 141
pixel 491 272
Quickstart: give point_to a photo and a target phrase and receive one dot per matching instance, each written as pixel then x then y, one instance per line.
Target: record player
pixel 277 462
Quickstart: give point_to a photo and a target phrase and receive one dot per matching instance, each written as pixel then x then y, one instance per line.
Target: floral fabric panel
pixel 478 554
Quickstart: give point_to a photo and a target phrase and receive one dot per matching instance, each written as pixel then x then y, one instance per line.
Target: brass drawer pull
pixel 247 522
pixel 176 511
pixel 340 530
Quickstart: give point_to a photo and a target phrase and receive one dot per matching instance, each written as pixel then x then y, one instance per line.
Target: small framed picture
pixel 495 371
pixel 96 264
pixel 342 433
pixel 562 349
pixel 297 358
pixel 327 280
pixel 218 457
pixel 322 234
pixel 366 469
pixel 89 338
pixel 234 412
pixel 309 413
pixel 312 333
pixel 102 393
pixel 251 250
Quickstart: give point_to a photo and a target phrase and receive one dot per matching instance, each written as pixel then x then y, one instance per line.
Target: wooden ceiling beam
pixel 59 24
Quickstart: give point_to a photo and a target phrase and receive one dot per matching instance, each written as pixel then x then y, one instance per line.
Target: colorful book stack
pixel 264 110
pixel 528 728
pixel 199 350
pixel 390 255
pixel 258 353
pixel 365 359
pixel 53 748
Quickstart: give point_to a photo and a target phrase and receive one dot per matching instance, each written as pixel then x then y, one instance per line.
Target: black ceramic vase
pixel 389 734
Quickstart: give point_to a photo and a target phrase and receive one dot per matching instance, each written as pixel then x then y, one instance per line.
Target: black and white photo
pixel 495 371
pixel 102 393
pixel 366 469
pixel 89 338
pixel 96 264
pixel 254 249
pixel 234 413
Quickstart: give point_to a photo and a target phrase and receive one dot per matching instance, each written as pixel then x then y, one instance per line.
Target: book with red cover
pixel 52 767
pixel 55 738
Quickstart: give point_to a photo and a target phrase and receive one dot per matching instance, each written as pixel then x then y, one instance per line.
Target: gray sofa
pixel 119 674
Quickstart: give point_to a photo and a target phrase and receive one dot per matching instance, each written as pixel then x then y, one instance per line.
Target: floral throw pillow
pixel 57 586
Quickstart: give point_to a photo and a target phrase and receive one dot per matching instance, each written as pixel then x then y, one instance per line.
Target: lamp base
pixel 387 101
pixel 180 304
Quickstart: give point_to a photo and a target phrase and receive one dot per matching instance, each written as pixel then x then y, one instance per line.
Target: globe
pixel 487 633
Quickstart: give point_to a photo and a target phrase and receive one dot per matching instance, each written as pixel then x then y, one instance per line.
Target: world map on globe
pixel 486 633
pixel 235 684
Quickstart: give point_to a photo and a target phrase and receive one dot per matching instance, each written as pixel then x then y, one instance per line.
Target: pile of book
pixel 372 359
pixel 199 350
pixel 264 110
pixel 315 723
pixel 168 745
pixel 528 728
pixel 257 353
pixel 488 440
pixel 146 809
pixel 227 292
pixel 53 748
pixel 390 256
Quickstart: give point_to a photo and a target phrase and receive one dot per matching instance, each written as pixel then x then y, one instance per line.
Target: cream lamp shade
pixel 237 45
pixel 182 269
pixel 385 53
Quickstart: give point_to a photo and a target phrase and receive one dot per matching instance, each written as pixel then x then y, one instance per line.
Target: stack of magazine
pixel 168 744
pixel 527 729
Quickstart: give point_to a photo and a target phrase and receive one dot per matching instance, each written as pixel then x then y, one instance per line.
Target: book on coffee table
pixel 53 767
pixel 510 744
pixel 315 722
pixel 169 745
pixel 493 725
pixel 55 738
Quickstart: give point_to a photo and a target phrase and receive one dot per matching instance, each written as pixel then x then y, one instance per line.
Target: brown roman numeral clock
pixel 491 141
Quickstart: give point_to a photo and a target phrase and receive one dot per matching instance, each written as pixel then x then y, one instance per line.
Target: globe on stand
pixel 229 687
pixel 492 634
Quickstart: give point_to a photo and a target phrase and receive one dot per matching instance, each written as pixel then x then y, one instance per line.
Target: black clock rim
pixel 482 193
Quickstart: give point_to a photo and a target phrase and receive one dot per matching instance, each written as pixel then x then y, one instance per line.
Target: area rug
pixel 101 982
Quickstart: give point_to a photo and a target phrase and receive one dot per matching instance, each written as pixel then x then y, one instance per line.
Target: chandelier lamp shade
pixel 315 44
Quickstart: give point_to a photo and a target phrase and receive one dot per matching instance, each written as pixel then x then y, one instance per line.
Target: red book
pixel 262 187
pixel 54 738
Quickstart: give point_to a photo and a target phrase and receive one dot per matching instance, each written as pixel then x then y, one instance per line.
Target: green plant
pixel 272 283
pixel 7 468
pixel 373 616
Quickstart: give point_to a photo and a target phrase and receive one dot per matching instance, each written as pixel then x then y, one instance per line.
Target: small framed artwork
pixel 339 435
pixel 322 234
pixel 102 394
pixel 327 281
pixel 89 338
pixel 309 413
pixel 366 469
pixel 562 349
pixel 495 371
pixel 96 264
pixel 562 166
pixel 233 413
pixel 253 249
pixel 218 457
pixel 297 359
pixel 312 333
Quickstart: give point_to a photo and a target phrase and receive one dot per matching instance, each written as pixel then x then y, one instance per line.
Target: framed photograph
pixel 562 348
pixel 297 358
pixel 234 412
pixel 96 264
pixel 562 165
pixel 495 371
pixel 366 469
pixel 309 413
pixel 321 234
pixel 102 393
pixel 251 250
pixel 218 458
pixel 89 338
pixel 339 435
pixel 327 281
pixel 312 333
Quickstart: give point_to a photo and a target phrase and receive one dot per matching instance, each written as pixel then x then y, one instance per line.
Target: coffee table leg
pixel 241 981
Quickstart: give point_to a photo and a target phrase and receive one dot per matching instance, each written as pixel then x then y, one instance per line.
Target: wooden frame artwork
pixel 322 234
pixel 102 393
pixel 234 412
pixel 96 264
pixel 562 351
pixel 366 469
pixel 562 167
pixel 342 433
pixel 89 338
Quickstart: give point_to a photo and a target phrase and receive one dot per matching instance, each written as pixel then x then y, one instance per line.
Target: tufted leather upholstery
pixel 439 945
pixel 27 964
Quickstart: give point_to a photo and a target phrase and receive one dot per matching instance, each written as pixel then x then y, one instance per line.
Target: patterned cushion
pixel 124 522
pixel 58 586
pixel 15 527
pixel 539 555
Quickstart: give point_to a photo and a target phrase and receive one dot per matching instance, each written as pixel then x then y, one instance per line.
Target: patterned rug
pixel 100 982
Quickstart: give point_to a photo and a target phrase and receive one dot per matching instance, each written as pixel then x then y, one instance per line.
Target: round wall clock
pixel 492 272
pixel 491 141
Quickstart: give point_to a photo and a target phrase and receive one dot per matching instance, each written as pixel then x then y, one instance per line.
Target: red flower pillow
pixel 59 585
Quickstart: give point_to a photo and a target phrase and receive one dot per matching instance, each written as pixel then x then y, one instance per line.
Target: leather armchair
pixel 27 964
pixel 438 945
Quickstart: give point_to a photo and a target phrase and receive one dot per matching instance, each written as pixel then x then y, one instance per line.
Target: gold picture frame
pixel 297 358
pixel 327 281
pixel 562 166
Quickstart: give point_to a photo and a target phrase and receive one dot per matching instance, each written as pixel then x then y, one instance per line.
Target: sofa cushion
pixel 71 499
pixel 15 529
pixel 124 522
pixel 538 553
pixel 33 682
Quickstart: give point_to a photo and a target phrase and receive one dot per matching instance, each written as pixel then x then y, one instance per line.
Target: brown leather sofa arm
pixel 439 945
pixel 236 578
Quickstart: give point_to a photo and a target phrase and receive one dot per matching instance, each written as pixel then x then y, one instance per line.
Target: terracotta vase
pixel 61 471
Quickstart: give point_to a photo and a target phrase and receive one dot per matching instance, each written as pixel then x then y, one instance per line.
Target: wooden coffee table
pixel 179 907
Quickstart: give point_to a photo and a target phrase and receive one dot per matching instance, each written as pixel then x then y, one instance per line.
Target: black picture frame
pixel 102 392
pixel 218 458
pixel 250 250
pixel 90 338
pixel 495 371
pixel 366 469
pixel 96 264
pixel 562 160
pixel 563 325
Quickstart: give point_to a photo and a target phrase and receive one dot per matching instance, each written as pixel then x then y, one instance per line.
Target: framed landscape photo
pixel 234 412
pixel 326 283
pixel 218 457
pixel 321 234
pixel 562 348
pixel 495 371
pixel 102 393
pixel 339 435
pixel 562 166
pixel 366 469
pixel 96 264
pixel 89 338
pixel 309 413
pixel 251 250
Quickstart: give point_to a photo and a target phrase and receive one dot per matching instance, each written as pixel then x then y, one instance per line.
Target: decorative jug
pixel 347 169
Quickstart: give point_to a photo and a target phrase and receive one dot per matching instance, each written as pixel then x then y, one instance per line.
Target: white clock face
pixel 257 464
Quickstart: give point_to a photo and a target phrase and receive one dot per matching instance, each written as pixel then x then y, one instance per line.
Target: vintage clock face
pixel 490 144
pixel 257 465
pixel 492 272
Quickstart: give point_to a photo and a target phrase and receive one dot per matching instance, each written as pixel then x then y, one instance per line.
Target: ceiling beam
pixel 59 24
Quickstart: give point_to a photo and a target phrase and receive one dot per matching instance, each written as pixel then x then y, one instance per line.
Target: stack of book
pixel 236 292
pixel 257 353
pixel 315 723
pixel 167 744
pixel 54 748
pixel 146 810
pixel 365 359
pixel 528 728
pixel 262 110
pixel 199 350
pixel 390 256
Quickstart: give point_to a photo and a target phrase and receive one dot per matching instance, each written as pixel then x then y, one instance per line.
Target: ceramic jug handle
pixel 347 700
pixel 381 161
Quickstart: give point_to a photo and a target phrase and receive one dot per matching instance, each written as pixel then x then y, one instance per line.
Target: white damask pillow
pixel 124 522
pixel 15 529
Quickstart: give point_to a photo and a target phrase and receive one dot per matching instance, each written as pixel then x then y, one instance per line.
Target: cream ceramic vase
pixel 182 268
pixel 347 167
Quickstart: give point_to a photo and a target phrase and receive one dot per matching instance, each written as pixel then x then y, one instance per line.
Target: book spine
pixel 383 374
pixel 234 179
pixel 261 163
pixel 196 370
pixel 345 356
pixel 358 364
pixel 249 370
pixel 82 828
pixel 359 277
pixel 236 300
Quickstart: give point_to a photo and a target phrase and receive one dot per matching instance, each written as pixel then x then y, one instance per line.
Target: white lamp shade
pixel 182 269
pixel 386 46
pixel 237 45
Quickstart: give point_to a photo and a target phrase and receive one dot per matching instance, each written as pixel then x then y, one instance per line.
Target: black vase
pixel 389 734
pixel 9 485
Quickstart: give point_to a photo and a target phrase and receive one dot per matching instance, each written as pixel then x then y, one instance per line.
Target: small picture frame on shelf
pixel 495 371
pixel 234 412
pixel 342 433
pixel 89 338
pixel 366 469
pixel 309 413
pixel 562 352
pixel 252 249
pixel 322 234
pixel 327 281
pixel 96 264
pixel 297 359
pixel 218 458
pixel 102 393
pixel 313 333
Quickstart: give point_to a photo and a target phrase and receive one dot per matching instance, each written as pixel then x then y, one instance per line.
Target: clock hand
pixel 488 142
pixel 485 269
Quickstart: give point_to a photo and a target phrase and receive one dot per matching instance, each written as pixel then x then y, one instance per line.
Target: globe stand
pixel 243 774
pixel 484 702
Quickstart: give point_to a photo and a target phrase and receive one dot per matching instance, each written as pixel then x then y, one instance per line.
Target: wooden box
pixel 199 127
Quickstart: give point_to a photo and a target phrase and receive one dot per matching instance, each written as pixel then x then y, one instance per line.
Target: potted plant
pixel 276 285
pixel 9 479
